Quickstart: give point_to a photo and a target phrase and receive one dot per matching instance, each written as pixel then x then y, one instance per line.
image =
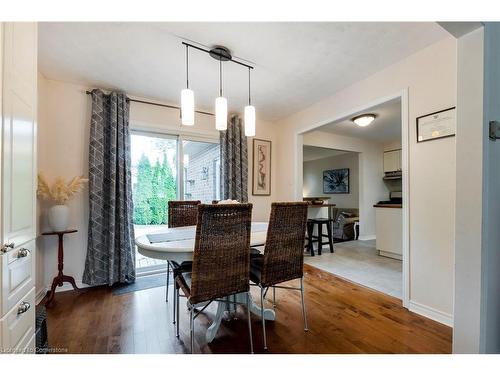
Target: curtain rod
pixel 158 104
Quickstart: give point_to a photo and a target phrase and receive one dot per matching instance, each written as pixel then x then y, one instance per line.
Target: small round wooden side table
pixel 61 277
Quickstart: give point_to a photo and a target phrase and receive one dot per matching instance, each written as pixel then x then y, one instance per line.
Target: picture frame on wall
pixel 336 181
pixel 261 168
pixel 435 125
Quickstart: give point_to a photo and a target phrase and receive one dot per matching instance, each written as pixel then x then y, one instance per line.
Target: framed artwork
pixel 436 125
pixel 336 181
pixel 261 171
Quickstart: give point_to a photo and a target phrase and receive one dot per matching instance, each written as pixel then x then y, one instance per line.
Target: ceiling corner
pixel 459 29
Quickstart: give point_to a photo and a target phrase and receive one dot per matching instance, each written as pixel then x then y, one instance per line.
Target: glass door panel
pixel 201 171
pixel 154 183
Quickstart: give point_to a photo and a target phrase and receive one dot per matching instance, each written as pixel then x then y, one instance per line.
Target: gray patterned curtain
pixel 234 162
pixel 110 249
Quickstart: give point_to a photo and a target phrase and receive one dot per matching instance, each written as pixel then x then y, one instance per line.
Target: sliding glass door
pixel 154 183
pixel 168 167
pixel 201 167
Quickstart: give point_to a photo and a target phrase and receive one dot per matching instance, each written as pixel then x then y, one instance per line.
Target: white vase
pixel 58 217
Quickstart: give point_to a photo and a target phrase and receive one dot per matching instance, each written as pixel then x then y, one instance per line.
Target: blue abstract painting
pixel 336 181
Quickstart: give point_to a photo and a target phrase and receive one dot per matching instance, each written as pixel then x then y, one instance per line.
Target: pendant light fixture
pixel 220 105
pixel 187 98
pixel 249 113
pixel 221 54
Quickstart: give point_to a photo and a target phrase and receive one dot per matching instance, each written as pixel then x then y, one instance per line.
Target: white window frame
pixel 179 137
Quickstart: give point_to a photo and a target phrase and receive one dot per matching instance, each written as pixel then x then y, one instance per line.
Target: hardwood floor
pixel 343 318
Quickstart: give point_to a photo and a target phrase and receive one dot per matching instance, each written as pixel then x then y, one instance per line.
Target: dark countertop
pixel 388 205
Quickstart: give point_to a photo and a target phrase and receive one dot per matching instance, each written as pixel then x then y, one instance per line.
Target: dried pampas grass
pixel 60 192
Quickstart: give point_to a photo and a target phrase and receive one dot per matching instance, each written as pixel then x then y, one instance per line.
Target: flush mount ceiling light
pixel 364 120
pixel 187 96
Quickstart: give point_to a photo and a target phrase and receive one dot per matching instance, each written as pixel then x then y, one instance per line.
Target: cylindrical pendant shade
pixel 250 121
pixel 221 113
pixel 187 107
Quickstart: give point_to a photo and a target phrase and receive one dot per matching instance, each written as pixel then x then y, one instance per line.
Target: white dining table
pixel 177 244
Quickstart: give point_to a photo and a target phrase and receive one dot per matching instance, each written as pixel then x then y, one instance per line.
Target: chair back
pixel 221 259
pixel 182 213
pixel 284 250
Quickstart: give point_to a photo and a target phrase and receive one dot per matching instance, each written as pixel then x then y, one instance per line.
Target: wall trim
pixel 367 237
pixel 40 295
pixel 431 313
pixel 67 286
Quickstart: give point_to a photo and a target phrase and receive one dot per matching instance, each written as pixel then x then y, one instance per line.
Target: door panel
pixel 19 133
pixel 17 270
pixel 17 327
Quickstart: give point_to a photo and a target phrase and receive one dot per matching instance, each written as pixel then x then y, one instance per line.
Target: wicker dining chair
pixel 180 214
pixel 283 258
pixel 221 260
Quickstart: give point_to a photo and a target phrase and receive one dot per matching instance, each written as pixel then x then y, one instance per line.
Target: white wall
pixel 63 133
pixel 313 178
pixel 63 136
pixel 371 185
pixel 469 210
pixel 430 77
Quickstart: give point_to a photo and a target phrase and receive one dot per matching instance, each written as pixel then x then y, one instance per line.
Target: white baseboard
pixel 39 295
pixel 67 286
pixel 431 313
pixel 367 237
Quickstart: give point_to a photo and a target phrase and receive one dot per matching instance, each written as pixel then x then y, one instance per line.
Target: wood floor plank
pixel 343 317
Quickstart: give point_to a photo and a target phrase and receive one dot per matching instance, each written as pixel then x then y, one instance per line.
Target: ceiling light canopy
pixel 364 119
pixel 187 96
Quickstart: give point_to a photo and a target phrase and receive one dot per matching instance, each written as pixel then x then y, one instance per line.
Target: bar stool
pixel 311 238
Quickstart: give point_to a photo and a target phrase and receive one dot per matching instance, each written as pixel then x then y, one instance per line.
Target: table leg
pixel 310 230
pixel 214 327
pixel 71 280
pixel 269 314
pixel 320 238
pixel 52 292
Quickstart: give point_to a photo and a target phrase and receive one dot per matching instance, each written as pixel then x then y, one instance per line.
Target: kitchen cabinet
pixel 389 231
pixel 18 109
pixel 392 161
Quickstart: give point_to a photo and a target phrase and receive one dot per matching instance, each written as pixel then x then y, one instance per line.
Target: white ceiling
pixel 297 64
pixel 385 128
pixel 310 153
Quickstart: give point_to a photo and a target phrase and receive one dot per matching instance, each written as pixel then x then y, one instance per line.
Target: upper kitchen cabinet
pixel 392 161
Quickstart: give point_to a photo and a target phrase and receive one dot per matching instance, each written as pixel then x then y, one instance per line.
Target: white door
pixel 19 132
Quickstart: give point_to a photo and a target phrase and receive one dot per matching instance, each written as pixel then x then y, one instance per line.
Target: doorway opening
pixel 369 219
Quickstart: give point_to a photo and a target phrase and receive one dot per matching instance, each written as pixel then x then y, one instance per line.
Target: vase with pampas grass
pixel 59 193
